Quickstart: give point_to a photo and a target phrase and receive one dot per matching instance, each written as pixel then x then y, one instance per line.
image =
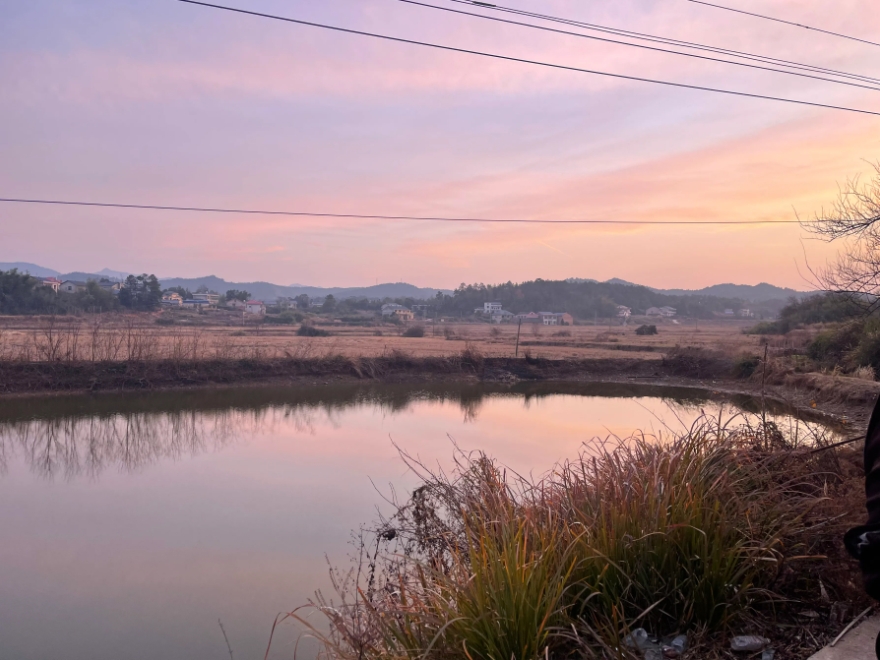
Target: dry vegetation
pixel 725 529
pixel 138 337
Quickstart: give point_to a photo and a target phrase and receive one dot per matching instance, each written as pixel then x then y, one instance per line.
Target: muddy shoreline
pixel 21 379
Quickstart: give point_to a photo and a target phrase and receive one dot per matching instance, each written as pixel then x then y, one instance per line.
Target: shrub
pixel 484 564
pixel 165 320
pixel 311 331
pixel 646 330
pixel 697 362
pixel 564 333
pixel 765 328
pixel 414 331
pixel 284 318
pixel 745 366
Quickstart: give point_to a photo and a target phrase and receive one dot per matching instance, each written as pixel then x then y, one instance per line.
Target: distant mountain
pixel 32 269
pixel 753 293
pixel 269 291
pixel 113 274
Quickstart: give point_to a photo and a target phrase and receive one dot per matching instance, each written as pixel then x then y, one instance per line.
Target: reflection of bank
pixel 84 435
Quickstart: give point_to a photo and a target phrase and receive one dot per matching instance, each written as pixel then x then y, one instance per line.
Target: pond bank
pixel 819 395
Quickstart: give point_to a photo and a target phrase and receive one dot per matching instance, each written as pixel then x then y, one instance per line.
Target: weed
pixel 683 532
pixel 311 331
pixel 414 331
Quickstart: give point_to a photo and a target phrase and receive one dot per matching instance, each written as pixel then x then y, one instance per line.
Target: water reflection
pixel 134 522
pixel 84 436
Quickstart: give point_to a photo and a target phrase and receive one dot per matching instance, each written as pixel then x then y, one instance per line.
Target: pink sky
pixel 179 105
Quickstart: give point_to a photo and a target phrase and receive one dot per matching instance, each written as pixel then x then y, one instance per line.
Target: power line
pixel 376 216
pixel 780 20
pixel 667 40
pixel 520 60
pixel 635 45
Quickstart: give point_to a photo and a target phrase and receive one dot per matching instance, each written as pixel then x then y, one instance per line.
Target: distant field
pixel 139 337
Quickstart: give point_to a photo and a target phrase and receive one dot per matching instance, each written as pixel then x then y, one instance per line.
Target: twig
pixel 851 624
pixel 838 444
pixel 228 645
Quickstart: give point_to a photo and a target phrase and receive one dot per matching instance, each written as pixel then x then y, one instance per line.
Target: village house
pixel 546 318
pixel 194 303
pixel 389 309
pixel 72 286
pixel 53 283
pixel 172 299
pixel 624 312
pixel 664 312
pixel 235 303
pixel 210 298
pixel 501 316
pixel 110 285
pixel 403 314
pixel 491 307
pixel 556 318
pixel 285 303
pixel 256 307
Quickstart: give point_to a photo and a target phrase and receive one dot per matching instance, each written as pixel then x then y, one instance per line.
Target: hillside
pixel 270 291
pixel 753 293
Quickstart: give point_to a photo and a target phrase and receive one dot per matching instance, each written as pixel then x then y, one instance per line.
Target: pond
pixel 130 526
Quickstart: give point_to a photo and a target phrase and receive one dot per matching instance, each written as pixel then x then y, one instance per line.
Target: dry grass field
pixel 139 337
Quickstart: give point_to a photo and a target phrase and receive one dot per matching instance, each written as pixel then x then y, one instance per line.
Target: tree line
pixel 21 293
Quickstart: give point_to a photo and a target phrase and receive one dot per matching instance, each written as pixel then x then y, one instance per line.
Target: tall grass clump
pixel 683 533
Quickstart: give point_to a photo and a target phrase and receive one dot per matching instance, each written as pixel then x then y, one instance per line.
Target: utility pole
pixel 518 328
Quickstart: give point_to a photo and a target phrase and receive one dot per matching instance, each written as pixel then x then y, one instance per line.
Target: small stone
pixel 680 643
pixel 670 652
pixel 810 614
pixel 768 654
pixel 744 643
pixel 637 639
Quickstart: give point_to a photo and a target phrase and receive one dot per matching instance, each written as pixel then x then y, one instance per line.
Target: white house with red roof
pixel 53 283
pixel 256 307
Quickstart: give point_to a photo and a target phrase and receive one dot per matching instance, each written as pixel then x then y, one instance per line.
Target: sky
pixel 162 102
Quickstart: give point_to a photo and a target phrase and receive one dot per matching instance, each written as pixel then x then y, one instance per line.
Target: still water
pixel 130 525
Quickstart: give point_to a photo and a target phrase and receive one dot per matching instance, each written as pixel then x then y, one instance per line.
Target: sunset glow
pixel 169 103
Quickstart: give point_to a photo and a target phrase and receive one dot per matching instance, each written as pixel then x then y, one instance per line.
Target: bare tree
pixel 854 218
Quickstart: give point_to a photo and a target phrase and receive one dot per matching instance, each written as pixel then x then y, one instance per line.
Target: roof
pixel 77 282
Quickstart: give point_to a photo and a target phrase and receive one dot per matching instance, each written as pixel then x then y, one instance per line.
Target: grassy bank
pixel 20 376
pixel 723 529
pixel 24 377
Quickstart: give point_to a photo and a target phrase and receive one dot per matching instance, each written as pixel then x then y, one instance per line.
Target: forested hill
pixel 585 300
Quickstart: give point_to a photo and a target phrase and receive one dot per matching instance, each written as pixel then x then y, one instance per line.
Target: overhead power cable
pixel 376 216
pixel 521 60
pixel 781 20
pixel 642 46
pixel 668 41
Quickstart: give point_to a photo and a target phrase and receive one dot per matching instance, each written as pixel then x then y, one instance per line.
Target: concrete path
pixel 858 644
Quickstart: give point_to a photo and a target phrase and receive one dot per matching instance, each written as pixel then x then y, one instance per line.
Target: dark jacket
pixel 863 542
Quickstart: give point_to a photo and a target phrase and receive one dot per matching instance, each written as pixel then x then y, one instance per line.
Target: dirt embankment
pixel 35 377
pixel 840 396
